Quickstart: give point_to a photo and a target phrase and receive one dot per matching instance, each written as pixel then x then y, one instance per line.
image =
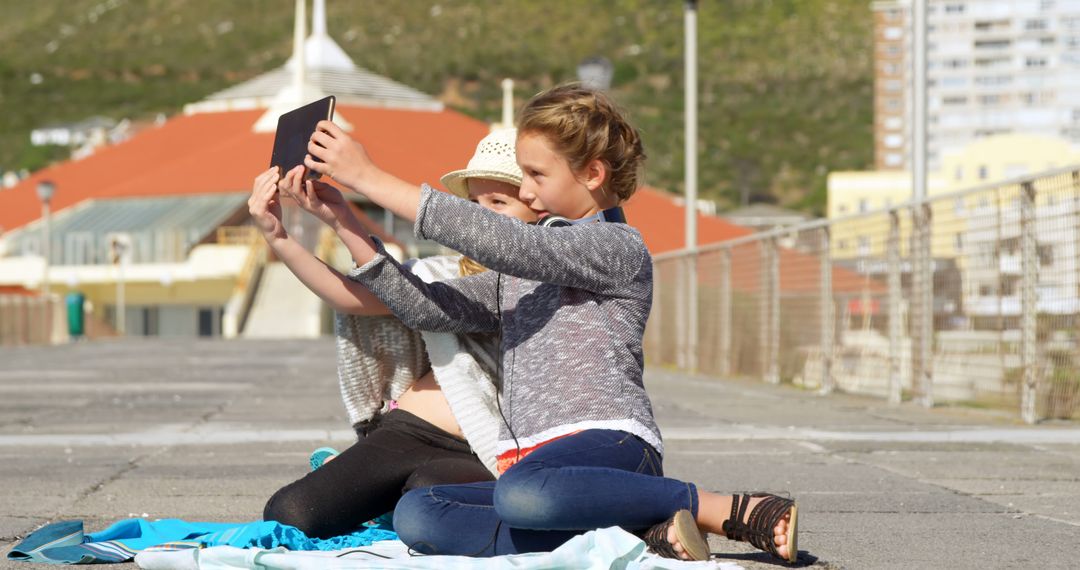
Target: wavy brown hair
pixel 583 125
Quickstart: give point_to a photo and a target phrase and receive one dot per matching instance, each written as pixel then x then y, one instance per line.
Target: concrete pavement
pixel 207 430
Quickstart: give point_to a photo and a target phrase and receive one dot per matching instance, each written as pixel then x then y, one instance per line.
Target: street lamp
pixel 595 72
pixel 45 191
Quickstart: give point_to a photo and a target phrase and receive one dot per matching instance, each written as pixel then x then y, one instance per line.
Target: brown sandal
pixel 687 533
pixel 758 529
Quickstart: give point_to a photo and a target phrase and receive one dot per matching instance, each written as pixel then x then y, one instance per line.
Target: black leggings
pixel 401 453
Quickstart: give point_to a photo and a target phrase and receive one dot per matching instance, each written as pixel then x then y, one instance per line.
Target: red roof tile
pixel 218 152
pixel 661 221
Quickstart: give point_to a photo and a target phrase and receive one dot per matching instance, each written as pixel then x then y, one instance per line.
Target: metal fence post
pixel 770 311
pixel 895 320
pixel 725 312
pixel 828 313
pixel 681 307
pixel 691 311
pixel 923 322
pixel 763 309
pixel 1029 264
pixel 774 304
pixel 654 330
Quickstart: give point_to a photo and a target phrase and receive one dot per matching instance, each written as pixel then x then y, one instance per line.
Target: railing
pixel 239 305
pixel 970 297
pixel 32 319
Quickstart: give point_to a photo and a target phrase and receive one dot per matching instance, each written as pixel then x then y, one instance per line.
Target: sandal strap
pixel 657 541
pixel 758 528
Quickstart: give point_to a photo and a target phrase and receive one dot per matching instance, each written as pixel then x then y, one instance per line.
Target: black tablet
pixel 294 130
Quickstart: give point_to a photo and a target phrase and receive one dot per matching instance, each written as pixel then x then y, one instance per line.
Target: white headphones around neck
pixel 613 215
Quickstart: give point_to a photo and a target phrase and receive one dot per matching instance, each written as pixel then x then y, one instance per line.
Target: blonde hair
pixel 468 266
pixel 585 125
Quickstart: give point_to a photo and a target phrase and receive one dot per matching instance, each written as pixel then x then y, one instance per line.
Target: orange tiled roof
pixel 218 152
pixel 660 219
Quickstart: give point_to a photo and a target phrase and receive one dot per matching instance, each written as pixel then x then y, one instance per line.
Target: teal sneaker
pixel 319 456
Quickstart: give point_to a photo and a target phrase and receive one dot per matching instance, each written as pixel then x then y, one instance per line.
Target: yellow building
pixel 984 162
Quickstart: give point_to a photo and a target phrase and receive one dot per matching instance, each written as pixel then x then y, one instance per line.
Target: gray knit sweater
pixel 571 304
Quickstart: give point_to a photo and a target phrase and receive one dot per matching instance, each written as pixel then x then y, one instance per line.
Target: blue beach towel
pixel 65 542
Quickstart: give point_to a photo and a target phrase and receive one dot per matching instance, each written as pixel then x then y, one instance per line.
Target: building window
pixel 1035 25
pixel 955 8
pixel 894 33
pixel 841 208
pixel 990 80
pixel 841 244
pixel 992 44
pixel 958 206
pixel 983 172
pixel 893 123
pixel 893 159
pixel 864 245
pixel 958 243
pixel 893 141
pixel 864 205
pixel 954 100
pixel 1035 61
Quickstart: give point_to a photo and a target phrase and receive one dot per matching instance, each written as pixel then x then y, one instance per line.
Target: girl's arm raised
pixel 600 257
pixel 463 305
pixel 342 294
pixel 346 162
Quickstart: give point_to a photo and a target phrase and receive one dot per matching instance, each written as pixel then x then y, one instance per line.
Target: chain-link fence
pixel 968 297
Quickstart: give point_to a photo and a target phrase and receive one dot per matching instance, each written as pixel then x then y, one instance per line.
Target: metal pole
pixel 1029 263
pixel 725 313
pixel 508 103
pixel 924 321
pixel 828 314
pixel 691 124
pixel 918 100
pixel 692 311
pixel 691 184
pixel 774 312
pixel 121 308
pixel 764 270
pixel 46 230
pixel 924 256
pixel 300 70
pixel 896 334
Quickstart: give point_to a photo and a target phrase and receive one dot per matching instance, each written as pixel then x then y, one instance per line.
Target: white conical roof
pixel 329 71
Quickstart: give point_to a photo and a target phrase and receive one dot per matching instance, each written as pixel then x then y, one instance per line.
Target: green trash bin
pixel 75 312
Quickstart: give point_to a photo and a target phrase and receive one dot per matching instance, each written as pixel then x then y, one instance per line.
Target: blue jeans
pixel 588 480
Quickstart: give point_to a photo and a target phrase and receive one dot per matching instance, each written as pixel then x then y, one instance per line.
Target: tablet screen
pixel 294 129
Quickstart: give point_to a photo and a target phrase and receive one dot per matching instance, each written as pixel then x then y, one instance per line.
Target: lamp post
pixel 45 191
pixel 596 72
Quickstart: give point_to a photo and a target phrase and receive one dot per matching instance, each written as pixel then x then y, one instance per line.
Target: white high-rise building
pixel 993 67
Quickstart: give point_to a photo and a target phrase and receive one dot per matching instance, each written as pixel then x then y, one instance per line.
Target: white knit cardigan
pixel 379 358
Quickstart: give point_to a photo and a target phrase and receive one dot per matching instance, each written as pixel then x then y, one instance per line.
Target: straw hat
pixel 494 160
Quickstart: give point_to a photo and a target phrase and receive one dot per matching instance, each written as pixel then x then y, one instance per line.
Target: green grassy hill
pixel 786 85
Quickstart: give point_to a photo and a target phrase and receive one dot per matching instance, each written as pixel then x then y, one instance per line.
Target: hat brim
pixel 457 181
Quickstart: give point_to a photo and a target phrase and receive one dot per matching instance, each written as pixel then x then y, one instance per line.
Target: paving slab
pixel 208 430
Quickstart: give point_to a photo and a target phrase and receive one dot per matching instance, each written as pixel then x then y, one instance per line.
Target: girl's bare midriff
pixel 426 401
